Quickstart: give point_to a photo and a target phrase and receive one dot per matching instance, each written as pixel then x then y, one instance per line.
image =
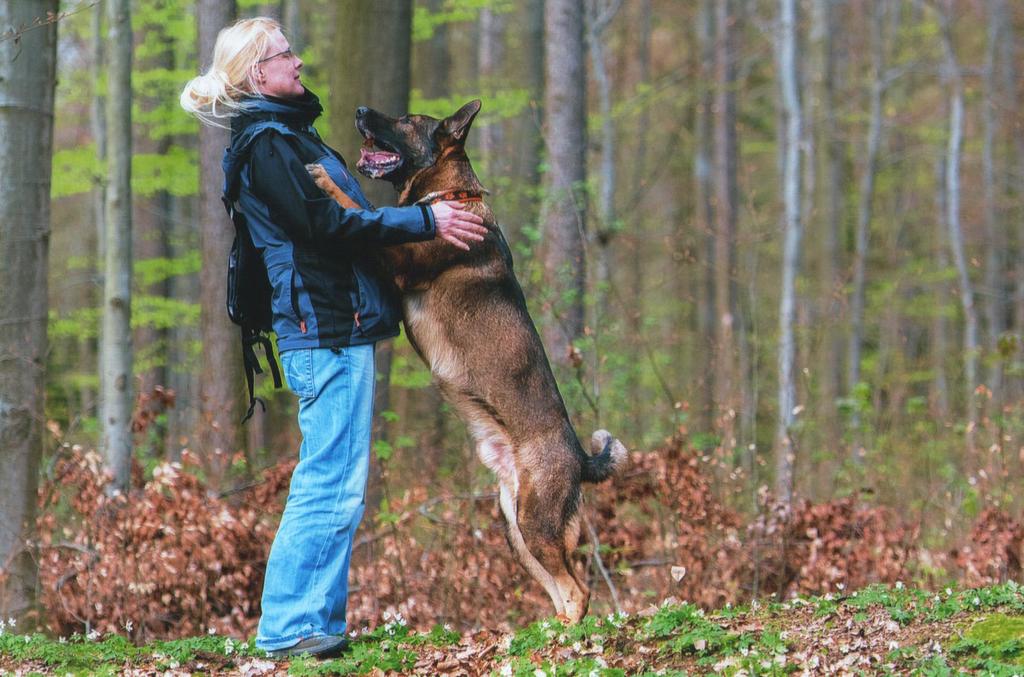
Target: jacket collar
pixel 299 112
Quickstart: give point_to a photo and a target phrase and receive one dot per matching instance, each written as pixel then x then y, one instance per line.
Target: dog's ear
pixel 457 125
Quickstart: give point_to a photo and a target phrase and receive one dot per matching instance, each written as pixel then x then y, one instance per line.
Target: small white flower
pixel 229 646
pixel 93 635
pixel 352 633
pixel 211 631
pixel 899 585
pixel 62 640
pixel 976 601
pixel 949 591
pixel 841 586
pixel 11 623
pixel 447 627
pixel 129 626
pixel 506 670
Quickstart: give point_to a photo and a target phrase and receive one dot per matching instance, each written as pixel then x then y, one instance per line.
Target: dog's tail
pixel 607 456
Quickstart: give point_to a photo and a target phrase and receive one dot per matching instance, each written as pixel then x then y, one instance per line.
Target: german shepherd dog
pixel 466 316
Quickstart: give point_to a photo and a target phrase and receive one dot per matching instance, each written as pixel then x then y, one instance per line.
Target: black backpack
pixel 248 302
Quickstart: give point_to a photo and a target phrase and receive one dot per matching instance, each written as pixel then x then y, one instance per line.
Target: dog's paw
pixel 319 175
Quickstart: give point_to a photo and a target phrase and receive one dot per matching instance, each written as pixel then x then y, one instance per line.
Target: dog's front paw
pixel 320 176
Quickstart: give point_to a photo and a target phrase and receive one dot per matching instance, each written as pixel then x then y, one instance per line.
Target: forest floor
pixel 877 630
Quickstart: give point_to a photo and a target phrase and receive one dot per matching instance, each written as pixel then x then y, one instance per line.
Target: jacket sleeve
pixel 280 180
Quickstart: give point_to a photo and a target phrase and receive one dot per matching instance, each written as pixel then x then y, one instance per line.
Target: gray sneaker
pixel 327 646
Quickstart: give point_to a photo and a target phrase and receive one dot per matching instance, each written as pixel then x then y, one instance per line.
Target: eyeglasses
pixel 287 53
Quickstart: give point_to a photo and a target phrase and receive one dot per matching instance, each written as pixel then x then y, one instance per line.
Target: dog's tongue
pixel 376 163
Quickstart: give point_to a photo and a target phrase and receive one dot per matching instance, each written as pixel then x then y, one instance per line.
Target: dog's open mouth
pixel 376 159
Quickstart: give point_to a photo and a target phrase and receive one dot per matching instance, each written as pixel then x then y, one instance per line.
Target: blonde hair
pixel 217 92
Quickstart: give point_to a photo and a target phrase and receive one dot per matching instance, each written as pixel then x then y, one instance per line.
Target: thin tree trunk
pixel 955 232
pixel 291 22
pixel 726 210
pixel 362 26
pixel 785 447
pixel 98 126
pixel 527 127
pixel 222 386
pixel 490 66
pixel 431 59
pixel 599 15
pixel 26 145
pixel 939 396
pixel 431 70
pixel 829 150
pixel 116 345
pixel 637 253
pixel 995 242
pixel 864 213
pixel 704 199
pixel 564 222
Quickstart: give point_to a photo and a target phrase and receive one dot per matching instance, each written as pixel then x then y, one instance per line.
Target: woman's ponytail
pixel 217 93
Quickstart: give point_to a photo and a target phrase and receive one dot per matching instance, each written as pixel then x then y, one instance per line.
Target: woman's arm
pixel 280 180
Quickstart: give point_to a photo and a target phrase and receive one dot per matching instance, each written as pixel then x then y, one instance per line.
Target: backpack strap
pixel 251 338
pixel 252 366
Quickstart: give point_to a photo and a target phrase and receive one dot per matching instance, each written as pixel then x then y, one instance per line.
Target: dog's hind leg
pixel 549 541
pixel 508 501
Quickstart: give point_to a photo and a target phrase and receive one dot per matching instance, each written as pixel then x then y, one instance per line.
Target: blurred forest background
pixel 775 246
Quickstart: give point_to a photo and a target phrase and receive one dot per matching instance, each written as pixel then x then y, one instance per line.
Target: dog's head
pixel 397 149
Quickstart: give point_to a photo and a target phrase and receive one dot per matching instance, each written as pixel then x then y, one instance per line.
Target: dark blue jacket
pixel 322 259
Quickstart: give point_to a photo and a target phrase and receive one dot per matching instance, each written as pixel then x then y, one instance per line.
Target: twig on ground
pixel 600 563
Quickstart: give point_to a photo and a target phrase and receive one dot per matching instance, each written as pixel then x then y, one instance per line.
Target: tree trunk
pixel 599 14
pixel 116 342
pixel 704 199
pixel 431 70
pixel 291 22
pixel 490 59
pixel 526 128
pixel 98 126
pixel 939 387
pixel 638 253
pixel 785 448
pixel 26 146
pixel 431 66
pixel 362 26
pixel 564 220
pixel 995 241
pixel 864 210
pixel 830 191
pixel 725 211
pixel 955 232
pixel 222 390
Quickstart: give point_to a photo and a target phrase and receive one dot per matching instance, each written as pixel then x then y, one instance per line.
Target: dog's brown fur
pixel 466 316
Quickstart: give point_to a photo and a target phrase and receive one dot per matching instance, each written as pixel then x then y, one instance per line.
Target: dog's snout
pixel 362 111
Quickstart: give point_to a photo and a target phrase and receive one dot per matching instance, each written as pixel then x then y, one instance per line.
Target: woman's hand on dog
pixel 456 225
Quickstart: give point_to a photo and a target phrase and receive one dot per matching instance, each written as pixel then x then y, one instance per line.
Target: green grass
pixel 758 640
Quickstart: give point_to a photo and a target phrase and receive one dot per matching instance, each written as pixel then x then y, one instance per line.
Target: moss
pixel 997 629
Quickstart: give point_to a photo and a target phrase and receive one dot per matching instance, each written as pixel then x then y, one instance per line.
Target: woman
pixel 331 304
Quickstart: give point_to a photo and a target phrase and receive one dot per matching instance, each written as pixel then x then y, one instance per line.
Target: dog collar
pixel 456 195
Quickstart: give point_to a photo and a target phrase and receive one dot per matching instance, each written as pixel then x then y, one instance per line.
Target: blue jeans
pixel 306 586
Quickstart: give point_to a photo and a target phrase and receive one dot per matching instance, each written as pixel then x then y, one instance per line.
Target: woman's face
pixel 277 74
